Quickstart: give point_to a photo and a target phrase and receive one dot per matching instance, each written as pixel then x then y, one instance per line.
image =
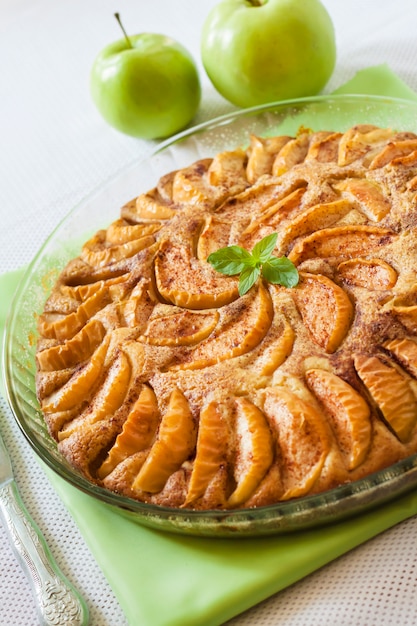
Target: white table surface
pixel 55 149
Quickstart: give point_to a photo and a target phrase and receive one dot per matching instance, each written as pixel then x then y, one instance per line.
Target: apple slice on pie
pixel 304 440
pixel 326 309
pixel 391 391
pixel 188 282
pixel 374 274
pixel 349 413
pixel 174 443
pixel 138 431
pixel 255 451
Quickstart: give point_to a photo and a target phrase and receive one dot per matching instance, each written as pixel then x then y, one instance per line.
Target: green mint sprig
pixel 234 260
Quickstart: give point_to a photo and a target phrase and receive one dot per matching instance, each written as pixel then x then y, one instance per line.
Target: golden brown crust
pixel 159 382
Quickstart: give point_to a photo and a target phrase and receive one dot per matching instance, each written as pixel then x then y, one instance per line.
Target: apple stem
pixel 257 3
pixel 117 16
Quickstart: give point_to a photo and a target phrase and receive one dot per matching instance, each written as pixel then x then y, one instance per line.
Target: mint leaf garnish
pixel 280 271
pixel 230 260
pixel 248 277
pixel 234 260
pixel 263 249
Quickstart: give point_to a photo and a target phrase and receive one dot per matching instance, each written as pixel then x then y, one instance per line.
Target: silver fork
pixel 57 601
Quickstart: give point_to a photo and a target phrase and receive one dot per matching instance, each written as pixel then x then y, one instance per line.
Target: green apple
pixel 260 51
pixel 146 85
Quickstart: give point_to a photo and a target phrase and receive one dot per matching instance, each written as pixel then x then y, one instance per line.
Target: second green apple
pixel 260 51
pixel 146 85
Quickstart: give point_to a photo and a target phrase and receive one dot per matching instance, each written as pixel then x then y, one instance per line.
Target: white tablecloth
pixel 55 149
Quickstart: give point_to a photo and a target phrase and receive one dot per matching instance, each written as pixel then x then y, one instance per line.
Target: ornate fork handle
pixel 58 603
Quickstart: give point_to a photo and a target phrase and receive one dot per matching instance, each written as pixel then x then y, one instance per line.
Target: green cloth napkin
pixel 162 579
pixel 379 80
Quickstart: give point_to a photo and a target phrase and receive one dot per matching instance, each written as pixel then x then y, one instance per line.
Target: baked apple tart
pixel 162 380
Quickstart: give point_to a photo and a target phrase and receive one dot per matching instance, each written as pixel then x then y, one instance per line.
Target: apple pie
pixel 159 381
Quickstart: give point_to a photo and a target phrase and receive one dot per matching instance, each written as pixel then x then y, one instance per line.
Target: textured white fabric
pixel 54 149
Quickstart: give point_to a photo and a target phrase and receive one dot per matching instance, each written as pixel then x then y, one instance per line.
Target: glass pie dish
pixel 337 113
